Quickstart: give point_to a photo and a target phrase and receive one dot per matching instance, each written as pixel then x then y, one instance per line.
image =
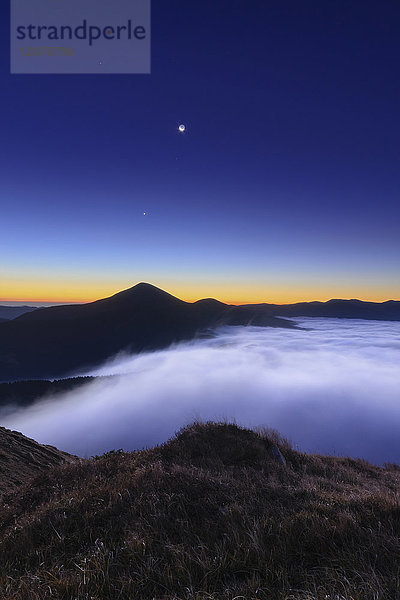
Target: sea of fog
pixel 332 387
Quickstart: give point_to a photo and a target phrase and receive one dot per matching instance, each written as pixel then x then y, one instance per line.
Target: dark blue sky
pixel 284 187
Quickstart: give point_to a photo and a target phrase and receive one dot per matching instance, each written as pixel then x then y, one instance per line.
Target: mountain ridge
pixel 54 342
pixel 141 292
pixel 66 340
pixel 335 308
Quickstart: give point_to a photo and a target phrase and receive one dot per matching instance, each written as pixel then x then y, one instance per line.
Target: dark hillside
pixel 62 340
pixel 23 393
pixel 12 312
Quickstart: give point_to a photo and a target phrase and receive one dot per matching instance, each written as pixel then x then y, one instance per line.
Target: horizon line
pixel 54 302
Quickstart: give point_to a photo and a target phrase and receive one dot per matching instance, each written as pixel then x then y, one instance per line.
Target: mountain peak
pixel 144 285
pixel 143 292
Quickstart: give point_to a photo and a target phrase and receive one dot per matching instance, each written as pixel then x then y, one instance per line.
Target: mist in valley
pixel 332 387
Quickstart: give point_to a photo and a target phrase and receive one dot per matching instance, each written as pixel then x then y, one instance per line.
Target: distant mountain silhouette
pixel 345 309
pixel 60 340
pixel 12 312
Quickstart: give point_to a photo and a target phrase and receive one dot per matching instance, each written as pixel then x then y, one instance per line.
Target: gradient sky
pixel 285 187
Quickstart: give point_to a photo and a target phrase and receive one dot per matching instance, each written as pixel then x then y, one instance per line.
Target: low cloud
pixel 333 387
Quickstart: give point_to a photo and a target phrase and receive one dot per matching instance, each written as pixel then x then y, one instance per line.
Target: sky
pixel 284 187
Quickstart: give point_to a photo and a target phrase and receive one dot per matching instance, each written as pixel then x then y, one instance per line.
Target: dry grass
pixel 22 458
pixel 207 516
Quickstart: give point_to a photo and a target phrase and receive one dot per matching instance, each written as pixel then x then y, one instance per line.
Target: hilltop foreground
pixel 216 513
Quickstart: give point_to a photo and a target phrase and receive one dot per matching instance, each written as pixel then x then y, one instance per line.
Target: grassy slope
pixel 22 458
pixel 209 515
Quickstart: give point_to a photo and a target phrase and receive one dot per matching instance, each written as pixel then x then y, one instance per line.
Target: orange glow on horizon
pixel 79 292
